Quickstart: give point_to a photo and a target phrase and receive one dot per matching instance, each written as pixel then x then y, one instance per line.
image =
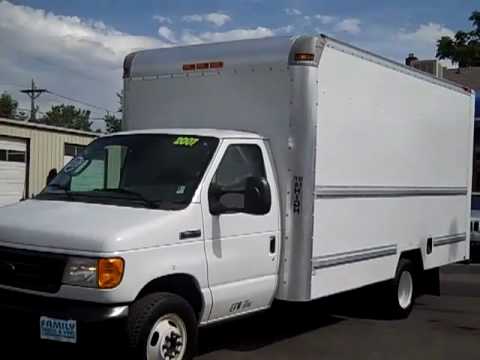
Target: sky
pixel 76 48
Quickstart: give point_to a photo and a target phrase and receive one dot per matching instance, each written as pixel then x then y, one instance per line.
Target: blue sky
pixel 75 48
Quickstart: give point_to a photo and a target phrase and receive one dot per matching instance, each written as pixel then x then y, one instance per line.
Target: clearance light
pixel 216 65
pixel 203 66
pixel 188 67
pixel 304 57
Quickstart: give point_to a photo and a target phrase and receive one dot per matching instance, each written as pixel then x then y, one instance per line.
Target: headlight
pixel 94 273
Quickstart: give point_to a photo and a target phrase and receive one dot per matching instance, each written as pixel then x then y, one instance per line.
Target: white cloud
pixel 292 12
pixel 80 58
pixel 217 19
pixel 287 29
pixel 325 19
pixel 162 19
pixel 235 34
pixel 167 34
pixel 426 33
pixel 349 25
pixel 423 40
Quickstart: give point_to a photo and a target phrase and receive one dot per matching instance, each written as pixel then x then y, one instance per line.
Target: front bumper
pixel 14 302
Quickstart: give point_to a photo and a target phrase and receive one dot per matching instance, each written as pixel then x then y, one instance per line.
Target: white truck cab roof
pixel 221 134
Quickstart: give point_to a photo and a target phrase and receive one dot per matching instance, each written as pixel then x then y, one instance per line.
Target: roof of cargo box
pixel 155 63
pixel 232 53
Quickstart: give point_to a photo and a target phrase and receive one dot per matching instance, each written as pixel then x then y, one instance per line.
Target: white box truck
pixel 281 168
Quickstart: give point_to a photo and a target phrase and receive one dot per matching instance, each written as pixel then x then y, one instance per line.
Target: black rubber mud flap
pixel 430 282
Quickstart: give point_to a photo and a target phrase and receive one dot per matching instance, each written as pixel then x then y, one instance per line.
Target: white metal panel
pixel 392 170
pixel 382 127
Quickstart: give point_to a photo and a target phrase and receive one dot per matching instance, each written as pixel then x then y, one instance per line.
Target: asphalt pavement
pixel 343 327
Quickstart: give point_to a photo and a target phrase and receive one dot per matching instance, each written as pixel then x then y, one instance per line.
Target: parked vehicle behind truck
pixel 281 168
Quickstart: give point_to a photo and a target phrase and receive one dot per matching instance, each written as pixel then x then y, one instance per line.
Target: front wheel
pixel 401 290
pixel 162 326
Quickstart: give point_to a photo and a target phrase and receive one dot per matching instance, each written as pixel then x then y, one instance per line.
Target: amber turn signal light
pixel 110 272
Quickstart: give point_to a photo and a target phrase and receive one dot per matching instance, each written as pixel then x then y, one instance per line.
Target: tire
pixel 162 326
pixel 400 291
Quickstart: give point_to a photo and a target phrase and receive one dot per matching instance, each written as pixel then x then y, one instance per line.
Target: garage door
pixel 13 157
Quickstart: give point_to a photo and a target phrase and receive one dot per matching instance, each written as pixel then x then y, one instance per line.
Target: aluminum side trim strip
pixel 386 191
pixel 449 239
pixel 349 257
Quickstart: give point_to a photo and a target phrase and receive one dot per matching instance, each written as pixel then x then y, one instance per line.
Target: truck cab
pixel 191 211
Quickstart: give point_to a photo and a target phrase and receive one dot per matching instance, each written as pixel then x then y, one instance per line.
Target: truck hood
pixel 86 227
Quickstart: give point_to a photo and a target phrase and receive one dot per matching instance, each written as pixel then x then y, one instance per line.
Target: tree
pixel 68 116
pixel 113 123
pixel 8 106
pixel 464 48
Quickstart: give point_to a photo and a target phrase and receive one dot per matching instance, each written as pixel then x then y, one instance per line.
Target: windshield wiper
pixel 150 203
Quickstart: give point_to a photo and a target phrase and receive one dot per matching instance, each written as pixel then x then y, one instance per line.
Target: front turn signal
pixel 110 272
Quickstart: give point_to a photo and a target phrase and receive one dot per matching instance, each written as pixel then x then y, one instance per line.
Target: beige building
pixel 29 151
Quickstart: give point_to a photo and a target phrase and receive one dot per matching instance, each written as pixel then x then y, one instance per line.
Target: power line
pixel 80 102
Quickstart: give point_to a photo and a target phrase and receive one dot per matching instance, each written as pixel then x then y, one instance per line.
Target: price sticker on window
pixel 185 141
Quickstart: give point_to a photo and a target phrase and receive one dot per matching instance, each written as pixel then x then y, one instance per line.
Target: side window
pixel 239 163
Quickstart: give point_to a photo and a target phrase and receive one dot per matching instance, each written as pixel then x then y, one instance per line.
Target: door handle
pixel 273 244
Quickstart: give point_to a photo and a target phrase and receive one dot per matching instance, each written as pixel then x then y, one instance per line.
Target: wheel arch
pixel 181 284
pixel 415 256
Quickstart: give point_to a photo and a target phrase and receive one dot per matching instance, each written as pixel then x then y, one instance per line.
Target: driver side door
pixel 241 248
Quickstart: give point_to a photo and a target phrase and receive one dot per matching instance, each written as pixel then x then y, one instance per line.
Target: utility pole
pixel 33 94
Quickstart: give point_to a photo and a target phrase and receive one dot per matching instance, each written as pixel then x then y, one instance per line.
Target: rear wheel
pixel 401 290
pixel 162 326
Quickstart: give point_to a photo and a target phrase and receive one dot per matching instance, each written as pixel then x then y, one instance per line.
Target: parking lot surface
pixel 343 327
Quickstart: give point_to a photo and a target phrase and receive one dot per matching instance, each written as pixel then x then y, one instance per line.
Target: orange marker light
pixel 216 65
pixel 304 57
pixel 202 66
pixel 188 67
pixel 110 272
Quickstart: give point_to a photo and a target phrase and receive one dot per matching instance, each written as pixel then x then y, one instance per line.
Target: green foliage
pixel 8 106
pixel 68 116
pixel 112 123
pixel 464 48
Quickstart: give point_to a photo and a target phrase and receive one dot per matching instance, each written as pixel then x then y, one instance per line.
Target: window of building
pixel 73 150
pixel 13 155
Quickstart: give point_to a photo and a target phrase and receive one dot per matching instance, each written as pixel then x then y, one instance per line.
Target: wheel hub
pixel 167 339
pixel 405 290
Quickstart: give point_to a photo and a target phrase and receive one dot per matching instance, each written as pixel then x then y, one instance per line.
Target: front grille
pixel 31 270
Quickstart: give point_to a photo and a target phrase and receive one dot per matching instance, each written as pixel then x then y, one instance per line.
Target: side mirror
pixel 254 198
pixel 52 174
pixel 258 198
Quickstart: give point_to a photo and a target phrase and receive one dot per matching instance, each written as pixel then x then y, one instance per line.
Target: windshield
pixel 156 171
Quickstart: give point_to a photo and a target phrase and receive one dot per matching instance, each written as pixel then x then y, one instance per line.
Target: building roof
pixel 469 77
pixel 26 124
